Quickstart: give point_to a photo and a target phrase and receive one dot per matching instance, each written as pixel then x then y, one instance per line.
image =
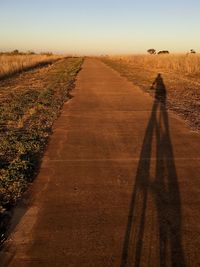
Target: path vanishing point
pixel 118 185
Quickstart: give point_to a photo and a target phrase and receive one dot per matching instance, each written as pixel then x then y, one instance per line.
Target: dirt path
pixel 118 185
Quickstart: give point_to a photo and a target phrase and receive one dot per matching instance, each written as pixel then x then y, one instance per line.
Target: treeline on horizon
pixel 20 53
pixel 153 51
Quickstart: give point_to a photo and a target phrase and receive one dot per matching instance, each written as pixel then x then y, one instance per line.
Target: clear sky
pixel 100 26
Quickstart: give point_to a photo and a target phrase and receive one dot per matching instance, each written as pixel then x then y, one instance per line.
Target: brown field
pixel 180 74
pixel 10 64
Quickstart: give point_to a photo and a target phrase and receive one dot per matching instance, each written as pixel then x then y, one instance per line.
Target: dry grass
pixel 180 74
pixel 10 64
pixel 185 64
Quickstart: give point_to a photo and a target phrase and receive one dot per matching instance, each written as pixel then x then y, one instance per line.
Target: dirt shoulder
pixel 183 92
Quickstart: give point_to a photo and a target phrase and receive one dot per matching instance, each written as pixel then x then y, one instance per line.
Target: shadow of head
pixel 160 88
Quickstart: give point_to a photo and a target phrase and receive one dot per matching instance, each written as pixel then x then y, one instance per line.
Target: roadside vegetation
pixel 14 62
pixel 27 113
pixel 187 65
pixel 181 75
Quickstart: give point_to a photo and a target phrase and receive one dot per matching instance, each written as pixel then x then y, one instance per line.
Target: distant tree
pixel 46 53
pixel 163 52
pixel 31 53
pixel 151 51
pixel 192 51
pixel 15 52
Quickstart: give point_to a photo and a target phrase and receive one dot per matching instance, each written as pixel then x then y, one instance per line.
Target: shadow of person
pixel 159 192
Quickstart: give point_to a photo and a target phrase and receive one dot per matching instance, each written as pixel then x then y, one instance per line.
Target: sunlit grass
pixel 184 64
pixel 10 64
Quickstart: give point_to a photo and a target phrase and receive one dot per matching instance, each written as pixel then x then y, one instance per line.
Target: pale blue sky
pixel 100 26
